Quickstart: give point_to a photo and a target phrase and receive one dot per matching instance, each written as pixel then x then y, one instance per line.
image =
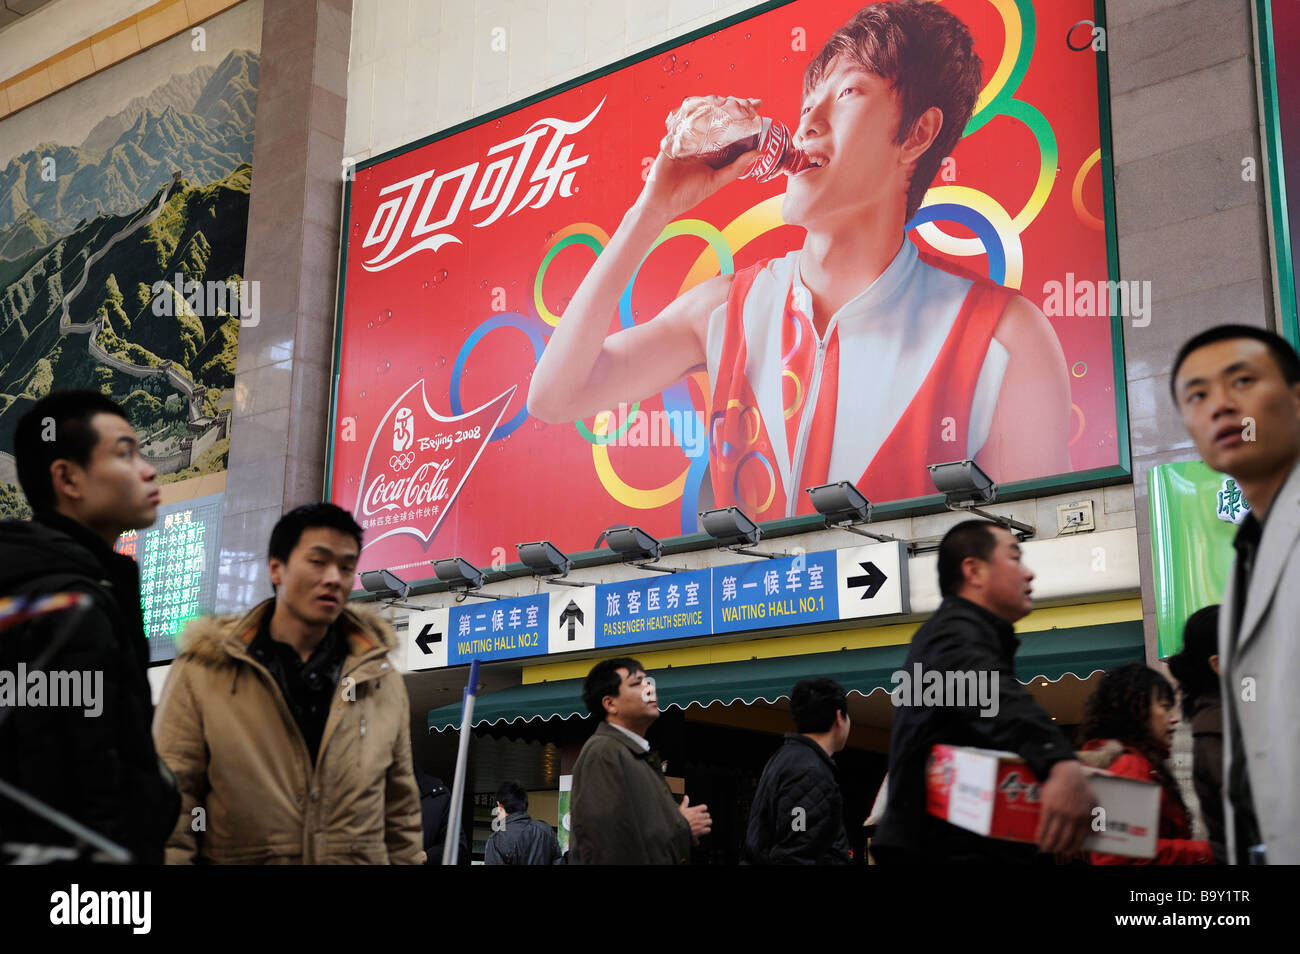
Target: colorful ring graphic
pixel 580 233
pixel 771 477
pixel 1019 26
pixel 798 338
pixel 592 438
pixel 977 223
pixel 524 323
pixel 998 230
pixel 798 393
pixel 1075 369
pixel 1079 432
pixel 1069 36
pixel 1076 192
pixel 625 493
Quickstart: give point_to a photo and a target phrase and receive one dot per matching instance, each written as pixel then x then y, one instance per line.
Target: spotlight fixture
pixel 964 486
pixel 734 530
pixel 387 587
pixel 461 577
pixel 843 505
pixel 632 544
pixel 547 561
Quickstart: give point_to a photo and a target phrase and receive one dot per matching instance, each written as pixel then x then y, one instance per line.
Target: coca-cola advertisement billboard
pixel 826 242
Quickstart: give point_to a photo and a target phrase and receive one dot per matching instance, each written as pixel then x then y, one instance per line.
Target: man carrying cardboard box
pixel 970 641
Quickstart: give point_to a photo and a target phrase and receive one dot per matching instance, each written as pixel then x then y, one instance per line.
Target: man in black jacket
pixel 797 817
pixel 435 819
pixel 985 589
pixel 80 466
pixel 518 838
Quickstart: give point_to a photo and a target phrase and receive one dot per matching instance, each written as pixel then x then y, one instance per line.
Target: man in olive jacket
pixel 288 728
pixel 622 811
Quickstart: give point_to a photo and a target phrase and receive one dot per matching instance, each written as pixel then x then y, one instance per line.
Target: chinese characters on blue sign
pixel 786 592
pixel 499 630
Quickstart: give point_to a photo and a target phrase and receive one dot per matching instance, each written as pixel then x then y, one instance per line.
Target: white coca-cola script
pixel 401 234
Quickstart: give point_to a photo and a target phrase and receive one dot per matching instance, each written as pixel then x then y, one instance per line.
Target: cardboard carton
pixel 994 794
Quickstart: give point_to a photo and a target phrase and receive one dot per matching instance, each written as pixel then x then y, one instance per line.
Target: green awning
pixel 1049 654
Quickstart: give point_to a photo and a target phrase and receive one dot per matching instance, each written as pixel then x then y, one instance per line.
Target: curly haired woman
pixel 1135 705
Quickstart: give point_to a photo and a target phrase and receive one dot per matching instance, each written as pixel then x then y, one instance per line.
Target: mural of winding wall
pixel 122 255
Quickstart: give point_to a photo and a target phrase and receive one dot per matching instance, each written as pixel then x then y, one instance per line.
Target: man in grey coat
pixel 1238 390
pixel 622 811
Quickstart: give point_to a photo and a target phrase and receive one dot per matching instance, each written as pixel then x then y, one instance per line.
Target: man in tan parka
pixel 288 727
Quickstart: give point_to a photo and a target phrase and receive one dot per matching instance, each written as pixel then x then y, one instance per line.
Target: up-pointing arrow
pixel 873 580
pixel 573 616
pixel 427 636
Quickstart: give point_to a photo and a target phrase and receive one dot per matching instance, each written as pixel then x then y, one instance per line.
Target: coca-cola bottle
pixel 717 131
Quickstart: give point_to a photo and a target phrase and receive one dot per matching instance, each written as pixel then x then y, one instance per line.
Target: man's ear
pixel 922 135
pixel 277 572
pixel 972 570
pixel 1214 663
pixel 65 479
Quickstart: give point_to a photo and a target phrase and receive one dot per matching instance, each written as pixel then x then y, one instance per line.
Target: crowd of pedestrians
pixel 282 733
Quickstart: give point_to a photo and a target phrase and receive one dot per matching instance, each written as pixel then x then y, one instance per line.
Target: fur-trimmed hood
pixel 220 640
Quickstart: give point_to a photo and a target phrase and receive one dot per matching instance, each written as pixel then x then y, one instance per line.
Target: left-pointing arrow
pixel 427 636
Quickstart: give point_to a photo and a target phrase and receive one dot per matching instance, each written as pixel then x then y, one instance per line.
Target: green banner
pixel 1194 516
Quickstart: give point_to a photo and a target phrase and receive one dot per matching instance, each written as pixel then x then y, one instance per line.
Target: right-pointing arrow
pixel 873 580
pixel 572 613
pixel 427 636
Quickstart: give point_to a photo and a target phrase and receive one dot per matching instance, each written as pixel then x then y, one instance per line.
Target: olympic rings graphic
pixel 401 461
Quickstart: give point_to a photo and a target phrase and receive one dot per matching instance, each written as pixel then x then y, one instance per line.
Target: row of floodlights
pixel 962 483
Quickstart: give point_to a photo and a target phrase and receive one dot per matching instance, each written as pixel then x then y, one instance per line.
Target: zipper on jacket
pixel 805 422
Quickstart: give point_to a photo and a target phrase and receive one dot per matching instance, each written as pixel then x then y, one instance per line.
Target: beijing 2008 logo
pixel 403 429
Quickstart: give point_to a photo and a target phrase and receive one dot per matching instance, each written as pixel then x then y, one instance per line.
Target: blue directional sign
pixel 784 592
pixel 807 588
pixel 673 606
pixel 503 629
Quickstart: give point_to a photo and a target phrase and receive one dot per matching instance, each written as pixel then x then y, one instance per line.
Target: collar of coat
pixel 221 640
pixel 608 730
pixel 797 738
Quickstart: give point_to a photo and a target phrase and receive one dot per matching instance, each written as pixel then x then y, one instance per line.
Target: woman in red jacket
pixel 1135 704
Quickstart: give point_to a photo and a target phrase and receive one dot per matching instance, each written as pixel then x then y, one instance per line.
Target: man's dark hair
pixel 1191 667
pixel 928 56
pixel 604 680
pixel 288 531
pixel 57 427
pixel 814 702
pixel 512 797
pixel 970 538
pixel 1288 361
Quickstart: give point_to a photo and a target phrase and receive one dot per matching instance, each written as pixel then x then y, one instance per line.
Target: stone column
pixel 278 440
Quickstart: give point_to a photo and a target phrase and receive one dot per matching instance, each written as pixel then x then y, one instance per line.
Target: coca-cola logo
pixel 400 232
pixel 411 491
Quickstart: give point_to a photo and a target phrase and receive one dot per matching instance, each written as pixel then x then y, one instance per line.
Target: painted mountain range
pixel 199 123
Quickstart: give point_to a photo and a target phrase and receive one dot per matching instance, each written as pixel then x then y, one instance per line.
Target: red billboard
pixel 550 327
